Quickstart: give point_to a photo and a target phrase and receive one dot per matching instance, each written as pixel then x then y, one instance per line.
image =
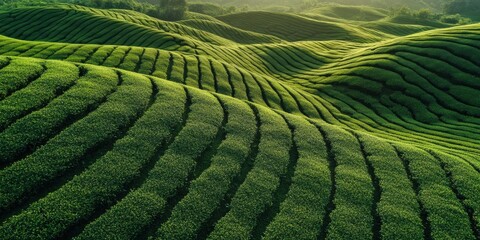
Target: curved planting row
pixel 295 27
pixel 413 104
pixel 217 140
pixel 228 32
pixel 198 71
pixel 114 154
pixel 191 27
pixel 32 24
pixel 118 27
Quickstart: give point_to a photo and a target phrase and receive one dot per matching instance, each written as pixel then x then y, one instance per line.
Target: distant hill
pixel 355 13
pixel 432 4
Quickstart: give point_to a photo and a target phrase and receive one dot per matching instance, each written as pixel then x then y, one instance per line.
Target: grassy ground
pixel 338 124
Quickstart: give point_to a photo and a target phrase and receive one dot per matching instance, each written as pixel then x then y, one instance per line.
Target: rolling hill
pixel 255 125
pixel 436 5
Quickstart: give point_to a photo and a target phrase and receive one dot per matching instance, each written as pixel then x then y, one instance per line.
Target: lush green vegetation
pixel 465 7
pixel 308 4
pixel 163 9
pixel 210 9
pixel 338 122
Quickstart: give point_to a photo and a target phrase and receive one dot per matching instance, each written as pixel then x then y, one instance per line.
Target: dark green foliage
pixel 262 181
pixel 396 204
pixel 16 75
pixel 171 9
pixel 206 192
pixel 301 214
pixel 455 19
pixel 467 7
pixel 169 174
pixel 427 16
pixel 104 4
pixel 157 125
pixel 344 126
pixel 441 206
pixel 121 108
pixel 350 217
pixel 57 79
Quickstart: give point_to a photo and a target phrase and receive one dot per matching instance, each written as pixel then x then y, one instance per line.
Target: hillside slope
pixel 343 12
pixel 295 28
pixel 436 5
pixel 135 128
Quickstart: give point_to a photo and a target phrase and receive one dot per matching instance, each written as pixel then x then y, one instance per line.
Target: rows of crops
pixel 135 29
pixel 298 28
pixel 116 27
pixel 420 101
pixel 31 24
pixel 185 164
pixel 198 71
pixel 145 129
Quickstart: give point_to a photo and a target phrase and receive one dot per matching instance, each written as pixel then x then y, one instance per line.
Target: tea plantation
pixel 253 125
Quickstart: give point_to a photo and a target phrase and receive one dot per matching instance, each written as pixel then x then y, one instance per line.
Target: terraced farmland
pixel 116 125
